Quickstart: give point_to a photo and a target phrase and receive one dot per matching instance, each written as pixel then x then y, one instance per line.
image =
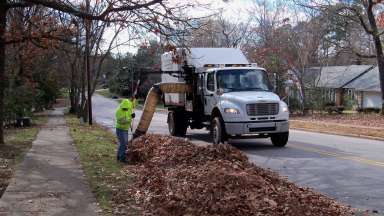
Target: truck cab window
pixel 211 82
pixel 243 80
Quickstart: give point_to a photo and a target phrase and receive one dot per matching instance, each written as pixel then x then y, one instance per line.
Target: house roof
pixel 369 81
pixel 339 76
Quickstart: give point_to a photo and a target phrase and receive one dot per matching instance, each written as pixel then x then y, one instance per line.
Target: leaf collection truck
pixel 217 89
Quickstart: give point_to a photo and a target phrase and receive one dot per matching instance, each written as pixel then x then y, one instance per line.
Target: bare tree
pixel 153 15
pixel 220 32
pixel 306 47
pixel 269 42
pixel 364 13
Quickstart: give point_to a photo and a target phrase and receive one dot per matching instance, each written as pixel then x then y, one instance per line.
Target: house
pixel 359 83
pixel 367 88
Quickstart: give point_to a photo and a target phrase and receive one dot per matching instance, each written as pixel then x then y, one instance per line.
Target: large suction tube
pixel 153 97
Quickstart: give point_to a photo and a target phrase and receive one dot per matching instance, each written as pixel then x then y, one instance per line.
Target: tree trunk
pixel 3 82
pixel 73 88
pixel 303 93
pixel 380 65
pixel 72 99
pixel 87 66
pixel 82 104
pixel 379 49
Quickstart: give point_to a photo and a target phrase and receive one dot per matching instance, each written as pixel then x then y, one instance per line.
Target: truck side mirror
pixel 220 91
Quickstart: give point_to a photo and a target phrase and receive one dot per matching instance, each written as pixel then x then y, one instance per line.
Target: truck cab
pixel 241 104
pixel 230 97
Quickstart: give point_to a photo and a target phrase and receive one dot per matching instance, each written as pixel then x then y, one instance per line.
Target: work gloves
pixel 123 121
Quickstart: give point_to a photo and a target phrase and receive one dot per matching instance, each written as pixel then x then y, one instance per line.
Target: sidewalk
pixel 50 180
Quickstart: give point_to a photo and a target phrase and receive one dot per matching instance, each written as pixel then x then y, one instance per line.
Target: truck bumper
pixel 246 128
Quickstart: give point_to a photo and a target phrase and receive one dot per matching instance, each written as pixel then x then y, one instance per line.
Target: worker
pixel 124 115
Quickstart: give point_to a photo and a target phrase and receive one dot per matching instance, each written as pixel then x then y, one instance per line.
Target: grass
pixel 96 147
pixel 17 142
pixel 339 129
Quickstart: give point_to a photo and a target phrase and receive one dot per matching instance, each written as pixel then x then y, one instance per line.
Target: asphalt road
pixel 348 169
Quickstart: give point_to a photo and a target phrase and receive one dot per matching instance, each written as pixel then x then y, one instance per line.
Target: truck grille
pixel 260 109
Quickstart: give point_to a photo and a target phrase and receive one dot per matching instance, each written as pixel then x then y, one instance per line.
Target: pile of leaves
pixel 176 177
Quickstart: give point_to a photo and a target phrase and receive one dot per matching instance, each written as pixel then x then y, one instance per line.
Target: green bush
pixel 369 110
pixel 47 91
pixel 19 101
pixel 23 96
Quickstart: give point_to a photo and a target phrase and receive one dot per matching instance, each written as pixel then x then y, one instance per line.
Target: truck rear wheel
pixel 279 139
pixel 217 131
pixel 177 123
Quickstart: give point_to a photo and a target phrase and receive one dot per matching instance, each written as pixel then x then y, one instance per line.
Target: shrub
pixel 369 110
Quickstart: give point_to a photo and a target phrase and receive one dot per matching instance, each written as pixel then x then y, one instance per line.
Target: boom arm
pixel 151 101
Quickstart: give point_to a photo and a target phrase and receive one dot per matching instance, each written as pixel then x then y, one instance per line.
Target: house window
pixel 331 95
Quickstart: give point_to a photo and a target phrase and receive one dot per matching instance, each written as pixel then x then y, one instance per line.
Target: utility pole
pixel 87 68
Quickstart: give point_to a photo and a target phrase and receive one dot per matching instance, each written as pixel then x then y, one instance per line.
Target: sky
pixel 230 9
pixel 233 10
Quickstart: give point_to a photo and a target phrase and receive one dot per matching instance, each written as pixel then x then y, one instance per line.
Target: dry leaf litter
pixel 176 177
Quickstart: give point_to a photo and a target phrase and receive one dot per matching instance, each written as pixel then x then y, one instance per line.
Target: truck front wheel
pixel 177 124
pixel 279 139
pixel 217 131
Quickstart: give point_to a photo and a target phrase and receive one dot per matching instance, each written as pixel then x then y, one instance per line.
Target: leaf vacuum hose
pixel 153 97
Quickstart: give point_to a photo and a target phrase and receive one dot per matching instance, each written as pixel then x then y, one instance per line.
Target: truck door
pixel 209 93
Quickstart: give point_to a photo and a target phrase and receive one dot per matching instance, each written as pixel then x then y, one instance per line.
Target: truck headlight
pixel 284 109
pixel 231 111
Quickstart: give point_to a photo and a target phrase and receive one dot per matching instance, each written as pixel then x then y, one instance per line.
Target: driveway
pixel 348 169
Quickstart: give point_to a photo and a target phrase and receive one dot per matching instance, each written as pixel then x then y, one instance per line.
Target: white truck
pixel 230 97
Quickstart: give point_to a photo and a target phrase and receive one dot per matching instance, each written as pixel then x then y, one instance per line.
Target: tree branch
pixel 361 19
pixel 60 6
pixel 363 55
pixel 39 37
pixel 18 5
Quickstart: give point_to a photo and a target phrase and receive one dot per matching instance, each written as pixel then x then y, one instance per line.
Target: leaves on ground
pixel 176 177
pixel 363 125
pixel 355 119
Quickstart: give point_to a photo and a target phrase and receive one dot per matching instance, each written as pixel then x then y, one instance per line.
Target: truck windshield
pixel 243 80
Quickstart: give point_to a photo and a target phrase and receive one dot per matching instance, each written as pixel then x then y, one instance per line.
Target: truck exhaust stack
pixel 153 97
